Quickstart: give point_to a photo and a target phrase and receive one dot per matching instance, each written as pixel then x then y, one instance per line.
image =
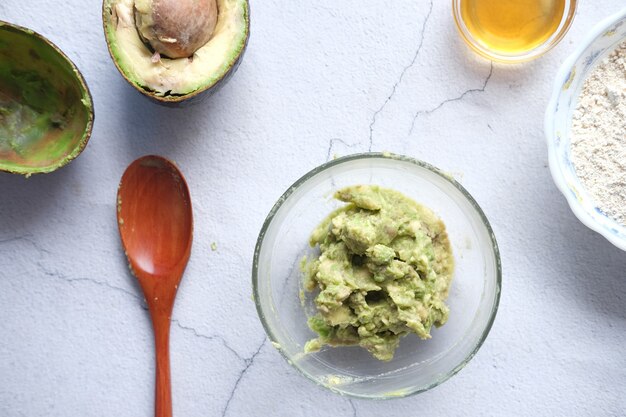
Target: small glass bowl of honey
pixel 513 30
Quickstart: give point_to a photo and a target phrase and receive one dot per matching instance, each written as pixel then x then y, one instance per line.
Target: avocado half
pixel 171 81
pixel 46 110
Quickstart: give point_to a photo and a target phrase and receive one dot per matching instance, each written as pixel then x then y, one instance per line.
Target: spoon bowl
pixel 155 222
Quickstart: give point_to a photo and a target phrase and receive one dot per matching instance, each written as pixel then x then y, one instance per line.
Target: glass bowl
pixel 603 39
pixel 569 10
pixel 418 365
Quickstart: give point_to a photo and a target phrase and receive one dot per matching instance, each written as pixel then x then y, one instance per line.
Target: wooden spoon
pixel 156 226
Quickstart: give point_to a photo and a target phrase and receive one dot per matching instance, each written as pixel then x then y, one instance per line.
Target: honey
pixel 511 27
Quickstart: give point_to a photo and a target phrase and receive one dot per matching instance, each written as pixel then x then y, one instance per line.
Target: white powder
pixel 599 135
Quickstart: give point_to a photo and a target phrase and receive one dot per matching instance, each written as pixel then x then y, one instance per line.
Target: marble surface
pixel 319 79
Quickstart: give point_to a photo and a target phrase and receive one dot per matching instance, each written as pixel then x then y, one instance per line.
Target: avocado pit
pixel 176 28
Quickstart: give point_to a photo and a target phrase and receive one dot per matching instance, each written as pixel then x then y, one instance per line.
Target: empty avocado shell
pixel 46 111
pixel 140 35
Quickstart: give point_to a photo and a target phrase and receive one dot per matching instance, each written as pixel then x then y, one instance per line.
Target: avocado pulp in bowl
pixel 46 112
pixel 285 305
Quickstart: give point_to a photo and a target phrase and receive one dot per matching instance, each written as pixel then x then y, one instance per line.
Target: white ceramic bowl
pixel 603 39
pixel 418 365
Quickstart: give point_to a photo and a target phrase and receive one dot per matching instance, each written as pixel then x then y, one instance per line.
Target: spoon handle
pixel 163 391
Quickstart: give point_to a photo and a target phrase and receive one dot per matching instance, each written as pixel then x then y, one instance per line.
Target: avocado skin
pixel 89 105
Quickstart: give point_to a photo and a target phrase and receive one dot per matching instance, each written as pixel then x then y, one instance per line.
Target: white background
pixel 318 79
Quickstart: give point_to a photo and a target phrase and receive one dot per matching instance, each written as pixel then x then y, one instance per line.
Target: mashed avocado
pixel 384 271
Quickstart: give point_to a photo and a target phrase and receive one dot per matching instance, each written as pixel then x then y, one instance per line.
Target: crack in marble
pixel 249 362
pixel 397 83
pixel 450 100
pixel 93 281
pixel 12 239
pixel 354 412
pixel 143 305
pixel 26 238
pixel 209 337
pixel 296 264
pixel 333 141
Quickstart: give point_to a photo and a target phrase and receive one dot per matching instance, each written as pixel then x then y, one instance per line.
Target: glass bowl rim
pixel 539 50
pixel 400 158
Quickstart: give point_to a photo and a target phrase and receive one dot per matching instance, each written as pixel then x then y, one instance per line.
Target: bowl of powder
pixel 585 125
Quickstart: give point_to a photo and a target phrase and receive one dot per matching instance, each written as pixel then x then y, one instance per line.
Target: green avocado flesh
pixel 45 110
pixel 179 77
pixel 384 270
